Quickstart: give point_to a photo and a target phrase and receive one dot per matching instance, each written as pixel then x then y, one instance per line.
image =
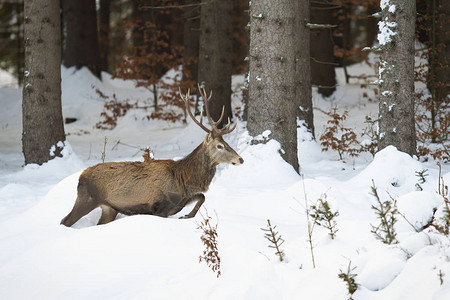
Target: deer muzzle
pixel 238 161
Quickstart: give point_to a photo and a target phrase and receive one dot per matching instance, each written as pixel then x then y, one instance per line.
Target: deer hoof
pixel 185 217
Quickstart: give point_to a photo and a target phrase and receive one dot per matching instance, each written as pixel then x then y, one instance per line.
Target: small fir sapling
pixel 324 216
pixel 349 278
pixel 443 192
pixel 209 239
pixel 275 239
pixel 387 213
pixel 421 178
pixel 339 138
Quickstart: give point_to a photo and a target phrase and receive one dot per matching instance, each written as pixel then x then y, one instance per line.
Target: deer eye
pixel 219 146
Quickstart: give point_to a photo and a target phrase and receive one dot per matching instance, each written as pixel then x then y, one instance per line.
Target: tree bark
pixel 81 39
pixel 396 108
pixel 322 57
pixel 274 50
pixel 41 105
pixel 214 66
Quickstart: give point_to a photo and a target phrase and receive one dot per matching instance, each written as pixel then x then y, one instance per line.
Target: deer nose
pixel 241 160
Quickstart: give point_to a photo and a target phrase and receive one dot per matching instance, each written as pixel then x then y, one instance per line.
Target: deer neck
pixel 196 171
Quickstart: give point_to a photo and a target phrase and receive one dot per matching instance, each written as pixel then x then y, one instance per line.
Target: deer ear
pixel 209 138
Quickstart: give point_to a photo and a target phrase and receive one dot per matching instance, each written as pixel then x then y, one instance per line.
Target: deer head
pixel 219 151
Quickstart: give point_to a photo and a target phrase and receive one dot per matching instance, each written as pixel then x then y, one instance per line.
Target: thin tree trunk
pixel 81 39
pixel 303 67
pixel 191 39
pixel 443 55
pixel 41 105
pixel 214 66
pixel 322 57
pixel 396 108
pixel 273 103
pixel 104 27
pixel 240 36
pixel 370 26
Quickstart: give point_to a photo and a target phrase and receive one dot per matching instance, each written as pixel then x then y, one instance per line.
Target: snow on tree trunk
pixel 215 54
pixel 43 127
pixel 274 49
pixel 396 75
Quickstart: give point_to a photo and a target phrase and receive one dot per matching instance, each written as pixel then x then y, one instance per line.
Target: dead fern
pixel 209 239
pixel 339 138
pixel 148 154
pixel 371 132
pixel 113 110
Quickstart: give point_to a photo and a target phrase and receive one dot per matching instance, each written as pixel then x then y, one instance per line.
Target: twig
pixel 324 62
pixel 310 226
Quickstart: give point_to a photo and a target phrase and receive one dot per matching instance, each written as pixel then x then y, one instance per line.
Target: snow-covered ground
pixel 147 257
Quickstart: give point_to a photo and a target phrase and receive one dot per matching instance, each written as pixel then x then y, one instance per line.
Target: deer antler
pixel 214 124
pixel 221 131
pixel 188 108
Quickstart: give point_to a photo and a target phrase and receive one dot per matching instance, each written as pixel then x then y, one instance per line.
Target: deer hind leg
pixel 200 199
pixel 108 215
pixel 81 208
pixel 83 205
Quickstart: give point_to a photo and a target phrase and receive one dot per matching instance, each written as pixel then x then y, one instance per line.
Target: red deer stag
pixel 156 187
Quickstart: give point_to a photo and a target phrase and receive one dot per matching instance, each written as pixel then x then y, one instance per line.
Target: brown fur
pixel 156 187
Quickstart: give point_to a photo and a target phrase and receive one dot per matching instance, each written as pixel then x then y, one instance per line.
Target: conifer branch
pixel 349 278
pixel 324 216
pixel 274 238
pixel 386 212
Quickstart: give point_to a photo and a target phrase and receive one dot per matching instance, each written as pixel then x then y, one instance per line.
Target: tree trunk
pixel 443 55
pixel 214 65
pixel 41 105
pixel 396 108
pixel 240 36
pixel 81 39
pixel 303 67
pixel 322 58
pixel 104 18
pixel 273 103
pixel 191 39
pixel 370 26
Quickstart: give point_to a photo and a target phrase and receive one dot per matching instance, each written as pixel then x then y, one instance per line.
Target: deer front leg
pixel 200 199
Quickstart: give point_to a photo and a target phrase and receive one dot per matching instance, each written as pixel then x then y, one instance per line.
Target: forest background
pixel 142 40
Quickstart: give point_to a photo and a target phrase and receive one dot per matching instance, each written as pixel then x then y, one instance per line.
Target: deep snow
pixel 146 257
